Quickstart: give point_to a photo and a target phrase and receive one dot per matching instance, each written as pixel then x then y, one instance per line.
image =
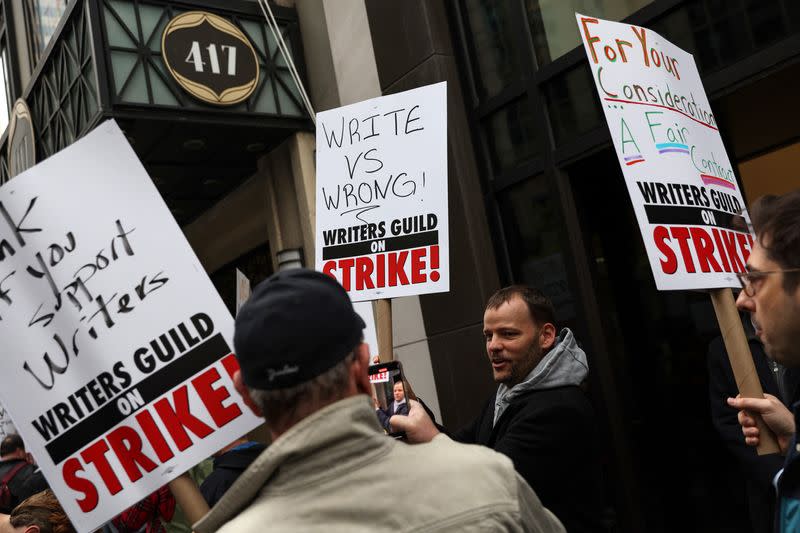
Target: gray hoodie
pixel 564 364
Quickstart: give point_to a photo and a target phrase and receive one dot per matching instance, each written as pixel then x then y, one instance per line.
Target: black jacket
pixel 27 482
pixel 551 437
pixel 385 415
pixel 758 471
pixel 227 469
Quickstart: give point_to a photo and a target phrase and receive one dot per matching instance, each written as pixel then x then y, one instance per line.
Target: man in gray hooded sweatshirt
pixel 540 416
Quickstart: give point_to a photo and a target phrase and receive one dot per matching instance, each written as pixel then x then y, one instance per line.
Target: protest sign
pixel 382 226
pixel 679 178
pixel 676 169
pixel 117 348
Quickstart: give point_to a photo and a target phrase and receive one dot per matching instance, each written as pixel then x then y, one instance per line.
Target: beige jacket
pixel 336 471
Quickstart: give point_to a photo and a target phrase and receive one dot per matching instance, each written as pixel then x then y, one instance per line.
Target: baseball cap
pixel 296 325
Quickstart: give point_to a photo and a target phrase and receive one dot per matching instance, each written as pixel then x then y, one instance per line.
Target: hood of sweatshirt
pixel 565 364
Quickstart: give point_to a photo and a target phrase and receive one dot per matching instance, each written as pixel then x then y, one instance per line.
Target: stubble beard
pixel 521 369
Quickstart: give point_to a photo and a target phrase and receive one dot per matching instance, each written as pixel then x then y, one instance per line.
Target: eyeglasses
pixel 747 278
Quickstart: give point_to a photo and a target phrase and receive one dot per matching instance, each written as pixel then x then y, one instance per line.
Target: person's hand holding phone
pixel 417 425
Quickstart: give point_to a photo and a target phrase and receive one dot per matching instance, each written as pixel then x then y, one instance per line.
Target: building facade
pixel 536 194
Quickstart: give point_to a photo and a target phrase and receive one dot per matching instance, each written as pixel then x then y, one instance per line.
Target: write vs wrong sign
pixel 117 348
pixel 382 224
pixel 679 178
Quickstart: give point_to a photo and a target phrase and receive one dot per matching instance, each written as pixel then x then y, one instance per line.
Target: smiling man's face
pixel 512 341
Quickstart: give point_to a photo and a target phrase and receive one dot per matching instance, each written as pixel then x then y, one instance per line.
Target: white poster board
pixel 117 348
pixel 382 225
pixel 676 168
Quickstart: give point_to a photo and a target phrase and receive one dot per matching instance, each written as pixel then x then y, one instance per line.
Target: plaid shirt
pixel 148 513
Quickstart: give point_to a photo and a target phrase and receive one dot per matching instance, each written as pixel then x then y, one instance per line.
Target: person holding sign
pixel 304 368
pixel 757 470
pixel 539 416
pixel 771 293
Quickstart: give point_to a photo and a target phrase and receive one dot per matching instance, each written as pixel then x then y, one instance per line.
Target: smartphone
pixel 390 394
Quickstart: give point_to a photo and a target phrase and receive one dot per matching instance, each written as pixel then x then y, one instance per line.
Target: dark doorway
pixel 658 343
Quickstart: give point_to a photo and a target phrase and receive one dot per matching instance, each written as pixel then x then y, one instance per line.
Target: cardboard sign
pixel 117 348
pixel 667 140
pixel 382 195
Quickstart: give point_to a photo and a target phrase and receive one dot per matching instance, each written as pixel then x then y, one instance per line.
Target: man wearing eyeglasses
pixel 771 293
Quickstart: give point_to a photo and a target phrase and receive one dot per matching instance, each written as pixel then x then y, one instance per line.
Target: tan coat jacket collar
pixel 310 449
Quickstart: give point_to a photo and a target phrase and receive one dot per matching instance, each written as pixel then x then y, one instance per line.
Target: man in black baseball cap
pixel 304 368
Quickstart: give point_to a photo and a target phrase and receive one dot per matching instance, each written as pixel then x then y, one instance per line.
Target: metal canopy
pixel 104 61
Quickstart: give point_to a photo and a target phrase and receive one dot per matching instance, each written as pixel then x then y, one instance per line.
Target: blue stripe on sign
pixel 672 145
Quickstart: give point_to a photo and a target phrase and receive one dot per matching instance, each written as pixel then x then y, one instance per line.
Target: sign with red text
pixel 666 136
pixel 117 348
pixel 382 195
pixel 380 377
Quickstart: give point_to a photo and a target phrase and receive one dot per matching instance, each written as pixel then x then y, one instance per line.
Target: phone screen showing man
pixel 388 394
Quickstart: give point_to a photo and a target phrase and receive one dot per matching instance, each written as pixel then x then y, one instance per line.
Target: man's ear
pixel 360 369
pixel 32 529
pixel 547 336
pixel 242 389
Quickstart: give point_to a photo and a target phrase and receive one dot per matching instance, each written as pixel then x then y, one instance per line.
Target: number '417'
pixel 195 57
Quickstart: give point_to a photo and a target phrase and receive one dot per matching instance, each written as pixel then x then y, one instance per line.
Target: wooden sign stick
pixel 383 324
pixel 744 370
pixel 188 496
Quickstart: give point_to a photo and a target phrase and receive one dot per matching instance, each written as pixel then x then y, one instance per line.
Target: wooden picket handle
pixel 383 324
pixel 744 370
pixel 187 495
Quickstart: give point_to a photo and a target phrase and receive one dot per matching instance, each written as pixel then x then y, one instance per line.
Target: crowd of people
pixel 528 462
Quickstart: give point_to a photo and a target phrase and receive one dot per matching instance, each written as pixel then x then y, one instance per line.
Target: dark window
pixel 573 104
pixel 495 40
pixel 513 134
pixel 538 249
pixel 719 33
pixel 553 25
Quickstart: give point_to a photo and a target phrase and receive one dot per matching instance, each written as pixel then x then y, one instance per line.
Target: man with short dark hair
pixel 25 478
pixel 304 368
pixel 40 513
pixel 539 416
pixel 771 294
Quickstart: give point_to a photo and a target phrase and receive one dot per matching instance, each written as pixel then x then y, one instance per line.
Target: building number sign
pixel 210 58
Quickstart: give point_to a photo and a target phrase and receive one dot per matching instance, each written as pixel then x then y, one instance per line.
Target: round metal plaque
pixel 210 58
